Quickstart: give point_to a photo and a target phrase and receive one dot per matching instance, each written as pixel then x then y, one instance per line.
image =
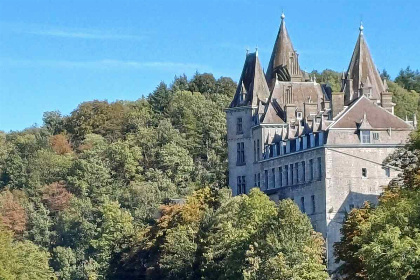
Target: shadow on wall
pixel 337 219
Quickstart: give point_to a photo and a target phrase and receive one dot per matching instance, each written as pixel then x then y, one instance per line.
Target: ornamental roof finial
pixel 282 15
pixel 361 27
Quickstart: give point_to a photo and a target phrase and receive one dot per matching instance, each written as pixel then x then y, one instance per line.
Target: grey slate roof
pixel 366 111
pixel 363 71
pixel 252 83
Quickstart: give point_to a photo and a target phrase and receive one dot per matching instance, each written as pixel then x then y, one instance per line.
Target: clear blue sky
pixel 56 54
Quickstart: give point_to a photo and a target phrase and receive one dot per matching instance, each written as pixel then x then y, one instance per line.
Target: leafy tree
pixel 159 99
pixel 409 79
pixel 12 214
pixel 54 122
pixel 22 259
pixel 204 83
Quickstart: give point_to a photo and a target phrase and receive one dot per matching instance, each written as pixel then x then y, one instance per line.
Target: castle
pixel 294 138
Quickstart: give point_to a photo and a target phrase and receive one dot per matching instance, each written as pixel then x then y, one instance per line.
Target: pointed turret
pixel 284 62
pixel 252 85
pixel 362 77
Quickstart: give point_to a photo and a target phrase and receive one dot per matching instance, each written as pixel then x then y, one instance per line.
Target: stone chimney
pixel 337 100
pixel 309 108
pixel 290 112
pixel 386 101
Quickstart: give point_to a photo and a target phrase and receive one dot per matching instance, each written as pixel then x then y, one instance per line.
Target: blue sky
pixel 56 54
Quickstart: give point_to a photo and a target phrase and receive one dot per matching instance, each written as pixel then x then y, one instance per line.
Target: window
pixel 258 149
pixel 240 185
pixel 273 175
pixel 299 115
pixel 266 179
pixel 278 147
pixel 313 204
pixel 351 206
pixel 240 155
pixel 365 136
pixel 286 175
pixel 291 174
pixel 375 135
pixel 239 126
pixel 255 152
pixel 303 172
pixel 319 168
pixel 302 203
pixel 280 176
pixel 388 172
pixel 364 172
pixel 311 170
pixel 255 179
pixel 259 180
pixel 297 173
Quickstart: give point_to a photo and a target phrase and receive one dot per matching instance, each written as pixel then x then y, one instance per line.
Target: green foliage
pixel 406 102
pixel 329 77
pixel 22 259
pixel 214 236
pixel 409 79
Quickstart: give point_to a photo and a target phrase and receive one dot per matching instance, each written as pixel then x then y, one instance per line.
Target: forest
pixel 138 190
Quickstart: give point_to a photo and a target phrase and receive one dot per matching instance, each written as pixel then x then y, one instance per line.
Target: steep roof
pixel 252 84
pixel 365 112
pixel 363 71
pixel 280 57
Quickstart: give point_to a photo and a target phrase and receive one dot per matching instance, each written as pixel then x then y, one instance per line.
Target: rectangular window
pixel 255 180
pixel 286 175
pixel 388 172
pixel 255 152
pixel 303 172
pixel 258 149
pixel 240 154
pixel 297 173
pixel 266 179
pixel 364 173
pixel 311 170
pixel 243 187
pixel 259 180
pixel 280 177
pixel 239 126
pixel 302 204
pixel 319 163
pixel 273 174
pixel 375 135
pixel 278 148
pixel 313 204
pixel 365 136
pixel 291 173
pixel 238 184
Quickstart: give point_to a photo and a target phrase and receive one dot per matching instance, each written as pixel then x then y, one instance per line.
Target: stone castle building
pixel 294 138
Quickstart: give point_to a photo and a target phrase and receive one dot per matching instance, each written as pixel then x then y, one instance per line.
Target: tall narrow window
pixel 238 184
pixel 311 170
pixel 280 177
pixel 239 126
pixel 319 163
pixel 302 204
pixel 273 175
pixel 243 186
pixel 364 173
pixel 255 180
pixel 291 173
pixel 388 172
pixel 365 136
pixel 313 204
pixel 255 152
pixel 240 154
pixel 258 149
pixel 286 175
pixel 259 180
pixel 303 172
pixel 266 179
pixel 297 173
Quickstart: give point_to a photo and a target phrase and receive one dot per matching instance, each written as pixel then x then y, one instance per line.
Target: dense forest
pixel 137 190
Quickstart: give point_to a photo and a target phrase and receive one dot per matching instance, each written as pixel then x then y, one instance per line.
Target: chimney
pixel 386 102
pixel 290 112
pixel 309 108
pixel 337 100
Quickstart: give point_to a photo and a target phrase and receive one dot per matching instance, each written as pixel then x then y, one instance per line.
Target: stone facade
pixel 294 138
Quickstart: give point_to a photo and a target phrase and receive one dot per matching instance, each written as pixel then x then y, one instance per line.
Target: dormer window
pixel 365 136
pixel 299 115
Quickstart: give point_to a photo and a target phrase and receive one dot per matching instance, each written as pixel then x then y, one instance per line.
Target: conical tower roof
pixel 362 72
pixel 252 85
pixel 283 58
